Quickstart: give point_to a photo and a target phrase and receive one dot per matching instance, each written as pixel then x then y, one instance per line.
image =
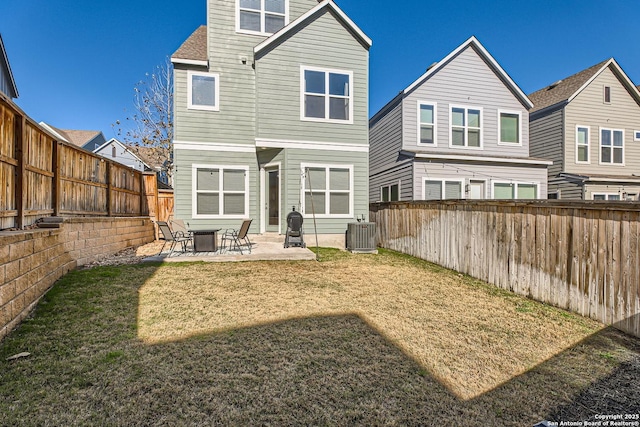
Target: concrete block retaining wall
pixel 32 260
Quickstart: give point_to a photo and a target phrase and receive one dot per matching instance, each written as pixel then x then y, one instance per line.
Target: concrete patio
pixel 264 247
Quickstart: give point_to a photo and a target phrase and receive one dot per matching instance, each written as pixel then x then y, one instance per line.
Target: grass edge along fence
pixel 579 256
pixel 42 176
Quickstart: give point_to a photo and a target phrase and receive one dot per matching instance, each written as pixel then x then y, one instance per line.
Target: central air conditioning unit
pixel 361 238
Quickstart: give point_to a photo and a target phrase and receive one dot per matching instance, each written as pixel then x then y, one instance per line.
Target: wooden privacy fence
pixel 40 176
pixel 580 256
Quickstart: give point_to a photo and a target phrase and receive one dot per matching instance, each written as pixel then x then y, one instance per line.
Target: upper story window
pixel 203 91
pixel 607 95
pixel 466 127
pixel 510 130
pixel 113 151
pixel 426 123
pixel 612 146
pixel 582 144
pixel 636 135
pixel 261 16
pixel 327 95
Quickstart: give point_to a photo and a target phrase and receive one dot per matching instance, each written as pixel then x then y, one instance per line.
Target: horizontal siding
pixel 466 81
pixel 621 190
pixel 568 190
pixel 400 174
pixel 546 136
pixel 385 140
pixel 183 185
pixel 325 43
pixel 589 109
pixel 478 172
pixel 293 185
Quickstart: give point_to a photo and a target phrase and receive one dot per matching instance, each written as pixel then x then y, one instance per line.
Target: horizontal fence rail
pixel 580 256
pixel 41 176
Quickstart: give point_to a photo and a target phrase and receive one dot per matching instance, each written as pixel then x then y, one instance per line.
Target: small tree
pixel 151 124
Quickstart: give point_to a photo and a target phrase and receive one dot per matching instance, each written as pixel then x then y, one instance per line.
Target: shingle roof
pixel 78 137
pixel 195 47
pixel 564 89
pixel 152 156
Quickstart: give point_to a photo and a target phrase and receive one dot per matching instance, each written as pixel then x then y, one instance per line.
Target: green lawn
pixel 354 339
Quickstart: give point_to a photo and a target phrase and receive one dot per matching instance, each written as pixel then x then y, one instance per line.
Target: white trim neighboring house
pixel 7 81
pixel 120 153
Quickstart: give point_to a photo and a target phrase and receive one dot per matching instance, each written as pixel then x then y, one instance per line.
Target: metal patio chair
pixel 174 237
pixel 237 238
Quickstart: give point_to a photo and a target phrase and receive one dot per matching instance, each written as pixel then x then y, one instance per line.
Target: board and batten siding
pixel 488 172
pixel 466 81
pixel 385 140
pixel 183 185
pixel 322 43
pixel 547 137
pixel 401 173
pixel 589 109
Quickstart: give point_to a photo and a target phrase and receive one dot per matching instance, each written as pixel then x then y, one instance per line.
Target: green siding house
pixel 271 113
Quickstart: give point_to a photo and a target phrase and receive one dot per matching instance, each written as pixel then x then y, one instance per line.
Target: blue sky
pixel 76 62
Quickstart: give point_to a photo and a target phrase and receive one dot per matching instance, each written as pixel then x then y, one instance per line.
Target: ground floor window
pixel 390 193
pixel 606 196
pixel 515 190
pixel 439 189
pixel 327 190
pixel 220 191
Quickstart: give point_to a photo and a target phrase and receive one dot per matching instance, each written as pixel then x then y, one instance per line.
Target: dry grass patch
pixel 468 335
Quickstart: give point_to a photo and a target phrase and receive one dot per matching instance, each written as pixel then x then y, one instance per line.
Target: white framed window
pixel 326 95
pixel 261 17
pixel 466 127
pixel 203 91
pixel 611 146
pixel 510 123
pixel 427 123
pixel 390 193
pixel 506 190
pixel 636 135
pixel 442 189
pixel 220 191
pixel 606 95
pixel 583 144
pixel 605 196
pixel 327 190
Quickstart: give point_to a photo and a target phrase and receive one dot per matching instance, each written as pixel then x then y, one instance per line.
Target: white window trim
pixel 636 135
pixel 466 127
pixel 606 195
pixel 389 187
pixel 588 128
pixel 221 168
pixel 262 19
pixel 516 183
pixel 500 142
pixel 600 162
pixel 435 123
pixel 190 105
pixel 327 71
pixel 442 188
pixel 303 188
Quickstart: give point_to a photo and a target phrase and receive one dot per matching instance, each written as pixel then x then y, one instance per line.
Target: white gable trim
pixel 53 132
pixel 189 62
pixel 325 3
pixel 5 59
pixel 124 147
pixel 487 57
pixel 625 80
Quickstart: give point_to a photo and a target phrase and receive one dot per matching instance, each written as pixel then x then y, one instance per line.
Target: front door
pixel 272 208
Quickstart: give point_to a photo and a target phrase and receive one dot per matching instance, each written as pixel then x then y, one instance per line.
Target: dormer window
pixel 261 16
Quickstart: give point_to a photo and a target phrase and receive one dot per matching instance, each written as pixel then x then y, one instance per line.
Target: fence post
pixel 109 189
pixel 21 153
pixel 55 193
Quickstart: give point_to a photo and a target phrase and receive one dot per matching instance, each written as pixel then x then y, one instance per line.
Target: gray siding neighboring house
pixel 459 131
pixel 7 82
pixel 271 118
pixel 588 124
pixel 118 152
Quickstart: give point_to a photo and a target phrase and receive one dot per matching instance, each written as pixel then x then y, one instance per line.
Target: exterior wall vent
pixel 361 237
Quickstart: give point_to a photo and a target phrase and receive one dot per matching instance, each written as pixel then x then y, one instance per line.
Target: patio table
pixel 205 240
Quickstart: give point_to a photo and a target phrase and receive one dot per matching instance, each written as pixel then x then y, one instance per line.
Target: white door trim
pixel 263 195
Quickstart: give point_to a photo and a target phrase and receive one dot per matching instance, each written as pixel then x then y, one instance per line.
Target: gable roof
pixel 4 63
pixel 194 50
pixel 329 5
pixel 153 157
pixel 124 147
pixel 78 138
pixel 567 89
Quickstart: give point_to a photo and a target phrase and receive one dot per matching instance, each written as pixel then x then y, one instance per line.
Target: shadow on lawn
pixel 326 370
